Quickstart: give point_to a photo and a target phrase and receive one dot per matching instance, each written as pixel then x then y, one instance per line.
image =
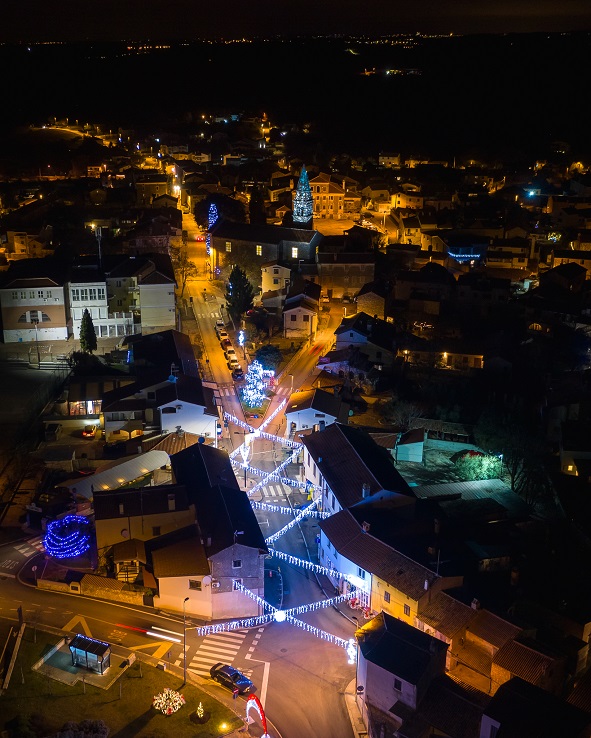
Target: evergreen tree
pixel 240 293
pixel 87 333
pixel 256 207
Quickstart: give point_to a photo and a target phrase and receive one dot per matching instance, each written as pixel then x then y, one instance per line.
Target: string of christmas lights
pixel 295 521
pixel 300 609
pixel 276 476
pixel 318 632
pixel 317 568
pixel 231 625
pixel 271 417
pixel 287 510
pixel 68 537
pixel 259 432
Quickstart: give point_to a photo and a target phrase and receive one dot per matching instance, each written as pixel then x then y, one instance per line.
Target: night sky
pixel 24 20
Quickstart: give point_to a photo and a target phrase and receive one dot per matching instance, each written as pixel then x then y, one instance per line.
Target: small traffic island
pixel 97 681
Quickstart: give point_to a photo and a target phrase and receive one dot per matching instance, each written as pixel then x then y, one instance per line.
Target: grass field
pixel 49 703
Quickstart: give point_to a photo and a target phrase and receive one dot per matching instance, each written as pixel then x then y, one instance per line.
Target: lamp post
pixel 185 641
pixel 291 384
pixel 35 322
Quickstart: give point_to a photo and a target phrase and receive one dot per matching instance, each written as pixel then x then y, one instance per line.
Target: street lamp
pixel 291 384
pixel 185 641
pixel 35 322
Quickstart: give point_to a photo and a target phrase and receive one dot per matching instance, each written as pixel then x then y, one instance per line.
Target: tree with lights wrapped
pixel 303 202
pixel 68 537
pixel 212 217
pixel 253 392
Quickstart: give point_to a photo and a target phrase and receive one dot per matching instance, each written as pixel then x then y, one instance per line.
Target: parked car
pixel 348 299
pixel 230 353
pixel 238 375
pixel 220 325
pixel 223 334
pixel 225 343
pixel 231 678
pixel 89 431
pixel 324 298
pixel 233 364
pixel 257 311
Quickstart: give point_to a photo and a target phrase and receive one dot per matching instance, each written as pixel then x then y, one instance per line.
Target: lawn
pixel 50 703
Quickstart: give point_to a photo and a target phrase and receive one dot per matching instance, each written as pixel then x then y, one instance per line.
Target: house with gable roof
pixel 404 691
pixel 314 408
pixel 158 403
pixel 374 337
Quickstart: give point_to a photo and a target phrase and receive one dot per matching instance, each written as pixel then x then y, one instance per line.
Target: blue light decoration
pixel 68 537
pixel 212 217
pixel 253 392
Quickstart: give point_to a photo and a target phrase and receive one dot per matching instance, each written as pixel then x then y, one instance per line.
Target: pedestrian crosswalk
pixel 274 492
pixel 215 648
pixel 30 547
pixel 283 391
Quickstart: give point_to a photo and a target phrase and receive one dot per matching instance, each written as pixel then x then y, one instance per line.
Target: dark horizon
pixel 182 20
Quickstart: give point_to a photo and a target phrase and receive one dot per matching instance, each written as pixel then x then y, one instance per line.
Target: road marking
pixel 266 669
pixel 162 648
pixel 74 621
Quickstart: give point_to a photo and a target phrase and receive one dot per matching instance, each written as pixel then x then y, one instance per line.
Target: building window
pixel 275 271
pixel 75 295
pixel 121 509
pixel 397 685
pixel 407 610
pixel 23 295
pixel 294 252
pixel 494 729
pixel 228 246
pixel 195 584
pixel 171 502
pixel 15 295
pixel 360 572
pixel 237 564
pixel 155 530
pixel 293 318
pixel 101 293
pixel 168 410
pixel 306 318
pixel 276 281
pixel 259 249
pixel 387 597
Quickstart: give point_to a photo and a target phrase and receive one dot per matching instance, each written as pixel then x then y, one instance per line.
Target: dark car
pixel 231 678
pixel 238 375
pixel 225 343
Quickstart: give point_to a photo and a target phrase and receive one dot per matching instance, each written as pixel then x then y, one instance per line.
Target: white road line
pixel 227 637
pixel 230 648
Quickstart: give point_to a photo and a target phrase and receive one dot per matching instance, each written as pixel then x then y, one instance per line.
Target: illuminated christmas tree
pixel 303 203
pixel 253 392
pixel 212 217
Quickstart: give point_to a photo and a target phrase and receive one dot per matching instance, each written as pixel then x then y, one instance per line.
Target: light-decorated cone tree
pixel 87 333
pixel 253 392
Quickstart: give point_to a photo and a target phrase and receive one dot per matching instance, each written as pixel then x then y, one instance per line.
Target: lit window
pixel 294 252
pixel 569 467
pixel 259 249
pixel 228 246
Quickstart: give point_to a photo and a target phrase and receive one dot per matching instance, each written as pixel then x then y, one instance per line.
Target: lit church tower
pixel 303 204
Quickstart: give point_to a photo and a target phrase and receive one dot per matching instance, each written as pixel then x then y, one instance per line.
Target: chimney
pixel 475 604
pixel 365 527
pixel 426 585
pixel 321 425
pixel 365 490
